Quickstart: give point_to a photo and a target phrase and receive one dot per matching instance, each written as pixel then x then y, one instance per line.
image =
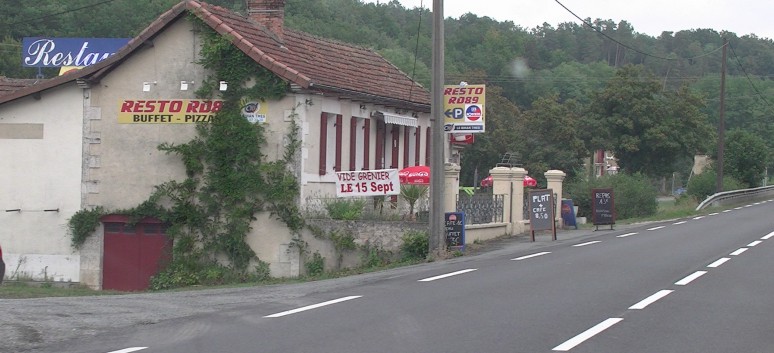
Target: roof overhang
pixel 397 119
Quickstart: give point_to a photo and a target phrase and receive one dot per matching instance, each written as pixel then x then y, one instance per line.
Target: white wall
pixel 37 174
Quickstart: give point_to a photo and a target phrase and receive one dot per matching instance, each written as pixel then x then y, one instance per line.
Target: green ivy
pixel 82 224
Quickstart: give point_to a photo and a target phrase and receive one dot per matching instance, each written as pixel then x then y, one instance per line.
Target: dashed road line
pixel 768 236
pixel 315 306
pixel 447 275
pixel 738 208
pixel 656 228
pixel 747 206
pixel 585 335
pixel 738 251
pixel 754 243
pixel 626 235
pixel 679 223
pixel 718 262
pixel 690 278
pixel 129 350
pixel 713 214
pixel 531 256
pixel 698 217
pixel 726 211
pixel 586 243
pixel 650 300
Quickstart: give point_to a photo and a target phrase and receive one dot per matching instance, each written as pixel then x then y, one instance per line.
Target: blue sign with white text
pixel 58 52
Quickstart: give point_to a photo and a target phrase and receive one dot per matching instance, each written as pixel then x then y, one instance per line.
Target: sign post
pixel 455 230
pixel 541 212
pixel 602 207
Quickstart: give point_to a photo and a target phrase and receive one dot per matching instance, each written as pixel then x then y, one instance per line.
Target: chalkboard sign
pixel 602 207
pixel 541 211
pixel 455 230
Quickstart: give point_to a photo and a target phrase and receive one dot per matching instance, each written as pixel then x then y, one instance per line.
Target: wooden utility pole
pixel 721 122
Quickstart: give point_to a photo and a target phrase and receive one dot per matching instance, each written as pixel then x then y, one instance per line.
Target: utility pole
pixel 437 226
pixel 721 122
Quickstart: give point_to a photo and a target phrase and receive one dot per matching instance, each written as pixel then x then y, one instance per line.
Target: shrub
pixel 634 196
pixel 347 210
pixel 315 266
pixel 415 245
pixel 705 184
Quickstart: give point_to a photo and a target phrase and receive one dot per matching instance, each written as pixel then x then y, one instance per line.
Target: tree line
pixel 554 92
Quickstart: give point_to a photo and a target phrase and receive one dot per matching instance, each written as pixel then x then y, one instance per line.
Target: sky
pixel 649 17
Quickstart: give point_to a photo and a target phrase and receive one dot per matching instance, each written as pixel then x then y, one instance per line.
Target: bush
pixel 415 245
pixel 634 196
pixel 705 184
pixel 347 210
pixel 315 266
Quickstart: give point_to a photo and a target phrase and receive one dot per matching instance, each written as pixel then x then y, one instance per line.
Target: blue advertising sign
pixel 58 52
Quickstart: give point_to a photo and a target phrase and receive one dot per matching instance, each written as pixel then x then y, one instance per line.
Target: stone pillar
pixel 517 201
pixel 555 179
pixel 501 185
pixel 451 183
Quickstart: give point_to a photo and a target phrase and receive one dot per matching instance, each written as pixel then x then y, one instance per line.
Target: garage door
pixel 133 252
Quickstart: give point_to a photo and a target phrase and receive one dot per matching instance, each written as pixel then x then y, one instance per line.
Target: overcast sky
pixel 650 17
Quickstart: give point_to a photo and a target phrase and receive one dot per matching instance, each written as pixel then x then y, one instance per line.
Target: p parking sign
pixel 464 108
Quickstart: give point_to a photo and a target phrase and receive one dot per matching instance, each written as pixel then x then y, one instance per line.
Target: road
pixel 699 284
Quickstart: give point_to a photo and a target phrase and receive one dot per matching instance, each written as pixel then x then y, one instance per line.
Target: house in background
pixel 64 148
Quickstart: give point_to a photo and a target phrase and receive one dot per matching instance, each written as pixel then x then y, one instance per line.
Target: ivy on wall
pixel 228 179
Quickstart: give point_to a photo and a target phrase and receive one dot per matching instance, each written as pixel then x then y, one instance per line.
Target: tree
pixel 746 157
pixel 647 128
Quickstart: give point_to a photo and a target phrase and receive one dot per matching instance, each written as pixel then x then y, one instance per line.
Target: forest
pixel 555 93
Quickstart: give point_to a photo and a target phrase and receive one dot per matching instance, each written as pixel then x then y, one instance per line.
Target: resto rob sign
pixel 463 108
pixel 367 183
pixel 167 111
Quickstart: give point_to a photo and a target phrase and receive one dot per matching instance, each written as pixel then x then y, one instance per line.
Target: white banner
pixel 367 183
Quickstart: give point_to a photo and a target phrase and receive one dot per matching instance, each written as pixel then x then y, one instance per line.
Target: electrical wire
pixel 758 92
pixel 630 47
pixel 32 20
pixel 416 49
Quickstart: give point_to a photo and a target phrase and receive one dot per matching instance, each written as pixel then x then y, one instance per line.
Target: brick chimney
pixel 270 13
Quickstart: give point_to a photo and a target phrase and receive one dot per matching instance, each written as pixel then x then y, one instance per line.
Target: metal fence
pixel 481 209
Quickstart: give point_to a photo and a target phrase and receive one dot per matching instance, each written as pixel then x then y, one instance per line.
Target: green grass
pixel 22 290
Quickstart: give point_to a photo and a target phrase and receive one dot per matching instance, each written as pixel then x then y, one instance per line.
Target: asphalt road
pixel 691 285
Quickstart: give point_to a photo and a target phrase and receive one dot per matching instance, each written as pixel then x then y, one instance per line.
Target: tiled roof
pixel 302 59
pixel 10 85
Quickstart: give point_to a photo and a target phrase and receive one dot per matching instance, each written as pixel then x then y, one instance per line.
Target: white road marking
pixel 315 306
pixel 690 278
pixel 725 211
pixel 754 243
pixel 698 217
pixel 747 205
pixel 571 343
pixel 757 203
pixel 447 275
pixel 738 251
pixel 129 350
pixel 767 236
pixel 679 223
pixel 718 262
pixel 626 235
pixel 738 208
pixel 713 214
pixel 656 228
pixel 650 300
pixel 587 243
pixel 530 256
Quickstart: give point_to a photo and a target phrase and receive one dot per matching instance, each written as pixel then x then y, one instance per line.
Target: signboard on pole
pixel 541 211
pixel 464 108
pixel 367 183
pixel 602 207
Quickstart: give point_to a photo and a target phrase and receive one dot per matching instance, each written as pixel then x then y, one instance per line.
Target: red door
pixel 133 253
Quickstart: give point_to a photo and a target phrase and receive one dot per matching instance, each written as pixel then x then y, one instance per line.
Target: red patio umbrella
pixel 418 174
pixel 528 182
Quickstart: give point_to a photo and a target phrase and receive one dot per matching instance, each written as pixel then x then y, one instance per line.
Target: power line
pixel 59 13
pixel 630 47
pixel 758 92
